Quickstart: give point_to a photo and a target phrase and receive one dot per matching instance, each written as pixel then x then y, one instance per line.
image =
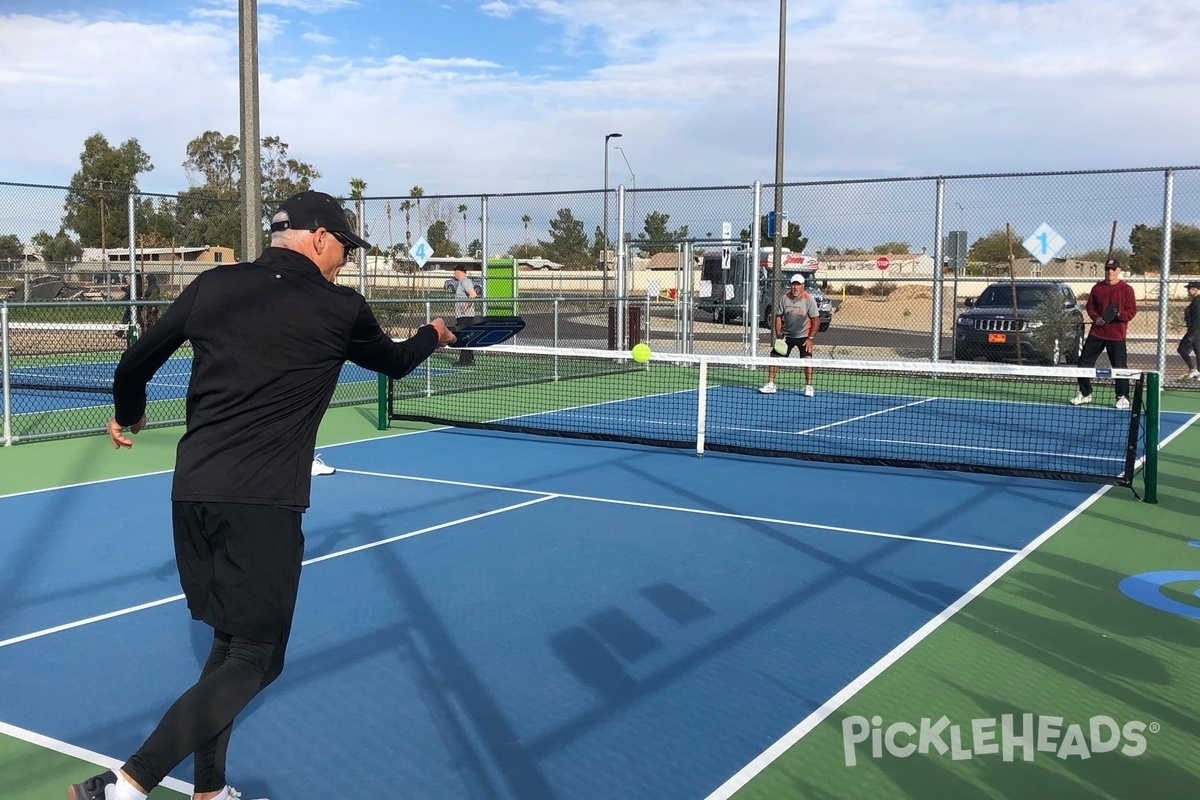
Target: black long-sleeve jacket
pixel 269 339
pixel 1191 317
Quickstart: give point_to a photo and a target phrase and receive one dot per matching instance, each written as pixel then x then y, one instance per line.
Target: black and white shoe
pixel 93 788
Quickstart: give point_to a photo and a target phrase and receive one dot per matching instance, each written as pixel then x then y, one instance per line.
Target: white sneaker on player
pixel 769 388
pixel 808 391
pixel 319 467
pixel 1123 403
pixel 1193 375
pixel 1081 399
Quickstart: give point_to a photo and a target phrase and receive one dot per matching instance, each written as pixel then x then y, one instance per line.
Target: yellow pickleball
pixel 641 353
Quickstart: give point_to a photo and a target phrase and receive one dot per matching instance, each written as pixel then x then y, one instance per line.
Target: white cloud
pixel 875 87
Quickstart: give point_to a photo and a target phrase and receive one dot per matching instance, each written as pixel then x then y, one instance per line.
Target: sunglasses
pixel 347 245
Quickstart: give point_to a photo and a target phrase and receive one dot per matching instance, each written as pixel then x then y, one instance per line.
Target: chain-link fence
pixel 896 264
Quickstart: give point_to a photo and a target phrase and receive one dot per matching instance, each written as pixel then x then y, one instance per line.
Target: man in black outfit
pixel 269 340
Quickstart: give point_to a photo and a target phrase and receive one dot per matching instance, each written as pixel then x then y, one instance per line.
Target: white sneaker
pixel 769 388
pixel 1081 399
pixel 233 794
pixel 319 467
pixel 1194 375
pixel 1122 403
pixel 808 391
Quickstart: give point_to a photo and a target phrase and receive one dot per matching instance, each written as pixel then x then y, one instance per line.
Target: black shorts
pixel 796 343
pixel 239 566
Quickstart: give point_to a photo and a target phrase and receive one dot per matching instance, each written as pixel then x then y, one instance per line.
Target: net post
pixel 1152 409
pixel 382 402
pixel 4 368
pixel 701 405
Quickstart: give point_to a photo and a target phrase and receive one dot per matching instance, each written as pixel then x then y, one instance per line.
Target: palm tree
pixel 526 219
pixel 407 207
pixel 417 192
pixel 462 209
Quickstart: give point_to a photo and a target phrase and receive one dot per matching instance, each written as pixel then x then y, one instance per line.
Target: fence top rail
pixel 731 187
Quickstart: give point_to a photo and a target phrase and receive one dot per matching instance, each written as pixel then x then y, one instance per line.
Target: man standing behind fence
pixel 1189 345
pixel 796 321
pixel 1111 305
pixel 464 309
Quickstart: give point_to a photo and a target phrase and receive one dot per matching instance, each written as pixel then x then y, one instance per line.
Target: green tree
pixel 475 249
pixel 216 159
pixel 994 247
pixel 524 250
pixel 11 249
pixel 568 243
pixel 59 248
pixel 283 176
pixel 792 238
pixel 439 239
pixel 1099 256
pixel 210 211
pixel 655 229
pixel 890 248
pixel 525 220
pixel 96 207
pixel 1146 243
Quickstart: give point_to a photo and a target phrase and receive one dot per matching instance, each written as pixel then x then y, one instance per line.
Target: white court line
pixel 80 753
pixel 686 510
pixel 781 746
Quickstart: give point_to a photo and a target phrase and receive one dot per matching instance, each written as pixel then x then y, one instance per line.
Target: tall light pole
pixel 251 176
pixel 604 252
pixel 777 243
pixel 632 181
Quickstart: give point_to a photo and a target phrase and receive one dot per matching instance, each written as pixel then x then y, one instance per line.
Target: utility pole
pixel 777 239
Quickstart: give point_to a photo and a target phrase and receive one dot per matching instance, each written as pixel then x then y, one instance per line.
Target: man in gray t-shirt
pixel 796 321
pixel 464 309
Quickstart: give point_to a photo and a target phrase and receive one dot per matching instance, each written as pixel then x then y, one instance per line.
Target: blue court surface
pixel 493 616
pixel 169 383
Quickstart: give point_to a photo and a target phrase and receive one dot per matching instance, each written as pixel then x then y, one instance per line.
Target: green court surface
pixel 1052 637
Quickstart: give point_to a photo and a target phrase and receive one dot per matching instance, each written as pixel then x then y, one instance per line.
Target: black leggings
pixel 1189 349
pixel 201 720
pixel 1117 354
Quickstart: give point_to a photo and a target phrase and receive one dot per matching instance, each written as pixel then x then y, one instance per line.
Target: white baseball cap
pixel 797 278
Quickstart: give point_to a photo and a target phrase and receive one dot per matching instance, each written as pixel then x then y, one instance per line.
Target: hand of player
pixel 445 335
pixel 119 440
pixel 808 345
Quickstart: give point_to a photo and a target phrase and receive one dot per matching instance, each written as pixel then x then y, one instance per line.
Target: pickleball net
pixel 53 357
pixel 993 418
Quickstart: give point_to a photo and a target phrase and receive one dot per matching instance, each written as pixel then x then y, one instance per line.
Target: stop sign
pixel 882 262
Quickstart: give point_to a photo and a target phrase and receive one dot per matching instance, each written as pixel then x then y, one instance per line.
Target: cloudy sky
pixel 517 95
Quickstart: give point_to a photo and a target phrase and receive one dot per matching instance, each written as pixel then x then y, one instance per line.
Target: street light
pixel 632 181
pixel 604 253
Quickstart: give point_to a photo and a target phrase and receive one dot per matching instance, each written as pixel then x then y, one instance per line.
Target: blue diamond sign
pixel 1044 244
pixel 421 252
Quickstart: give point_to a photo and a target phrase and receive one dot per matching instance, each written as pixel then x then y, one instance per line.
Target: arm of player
pixel 139 363
pixel 372 349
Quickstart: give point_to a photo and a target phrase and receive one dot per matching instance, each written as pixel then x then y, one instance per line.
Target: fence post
pixel 7 389
pixel 752 267
pixel 938 225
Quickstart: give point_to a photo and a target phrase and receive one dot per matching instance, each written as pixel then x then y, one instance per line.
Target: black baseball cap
pixel 1193 285
pixel 310 210
pixel 1112 263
